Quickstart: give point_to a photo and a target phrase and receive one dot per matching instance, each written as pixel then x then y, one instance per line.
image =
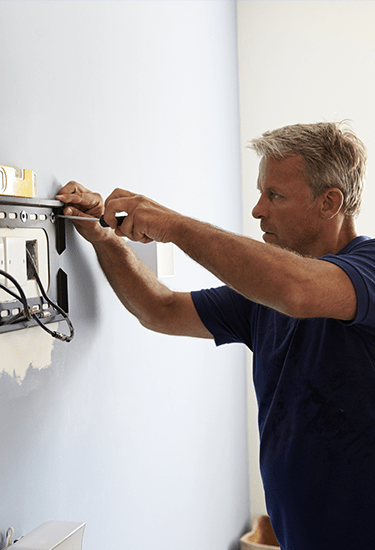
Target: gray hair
pixel 333 156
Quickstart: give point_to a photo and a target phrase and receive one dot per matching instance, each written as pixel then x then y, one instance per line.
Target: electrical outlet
pixel 15 260
pixel 14 244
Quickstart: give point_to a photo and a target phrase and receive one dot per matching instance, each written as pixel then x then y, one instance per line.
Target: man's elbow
pixel 162 316
pixel 297 304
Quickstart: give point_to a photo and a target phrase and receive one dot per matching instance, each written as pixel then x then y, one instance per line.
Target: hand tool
pixel 120 218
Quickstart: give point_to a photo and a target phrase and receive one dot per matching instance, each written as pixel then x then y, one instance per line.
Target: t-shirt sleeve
pixel 225 313
pixel 360 268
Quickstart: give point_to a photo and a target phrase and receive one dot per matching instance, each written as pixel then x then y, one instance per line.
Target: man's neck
pixel 339 237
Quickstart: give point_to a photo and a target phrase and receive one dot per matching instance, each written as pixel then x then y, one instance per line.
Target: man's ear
pixel 333 199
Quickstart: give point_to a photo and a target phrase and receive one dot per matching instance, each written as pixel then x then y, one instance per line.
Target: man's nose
pixel 259 210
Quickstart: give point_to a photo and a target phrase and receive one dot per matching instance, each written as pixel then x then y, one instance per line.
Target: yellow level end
pixel 17 183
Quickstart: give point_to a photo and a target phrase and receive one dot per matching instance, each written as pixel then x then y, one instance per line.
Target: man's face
pixel 288 215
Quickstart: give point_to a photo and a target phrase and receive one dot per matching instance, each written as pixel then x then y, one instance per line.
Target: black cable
pixel 27 311
pixel 17 317
pixel 22 313
pixel 6 289
pixel 55 334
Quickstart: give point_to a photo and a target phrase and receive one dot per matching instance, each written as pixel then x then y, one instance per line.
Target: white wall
pixel 141 436
pixel 303 61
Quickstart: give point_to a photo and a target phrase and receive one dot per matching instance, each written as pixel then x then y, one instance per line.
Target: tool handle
pixel 119 219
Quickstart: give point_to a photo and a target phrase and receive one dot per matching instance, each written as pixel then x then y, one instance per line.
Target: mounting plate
pixel 31 223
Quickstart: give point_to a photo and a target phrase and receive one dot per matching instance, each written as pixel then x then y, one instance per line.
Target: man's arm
pixel 156 306
pixel 269 275
pixel 277 278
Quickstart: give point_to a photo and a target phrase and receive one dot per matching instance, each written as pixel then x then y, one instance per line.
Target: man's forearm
pixel 138 289
pixel 156 306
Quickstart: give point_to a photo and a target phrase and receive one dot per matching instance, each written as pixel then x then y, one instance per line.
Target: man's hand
pixel 146 220
pixel 83 202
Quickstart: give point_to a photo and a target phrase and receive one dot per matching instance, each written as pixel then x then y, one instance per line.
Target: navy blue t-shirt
pixel 315 386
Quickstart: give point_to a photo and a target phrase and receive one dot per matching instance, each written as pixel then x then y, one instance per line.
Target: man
pixel 302 301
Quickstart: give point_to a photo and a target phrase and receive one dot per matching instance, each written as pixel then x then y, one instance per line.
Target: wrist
pixel 186 231
pixel 104 238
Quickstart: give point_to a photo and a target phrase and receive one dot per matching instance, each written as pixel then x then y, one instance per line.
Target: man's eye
pixel 274 195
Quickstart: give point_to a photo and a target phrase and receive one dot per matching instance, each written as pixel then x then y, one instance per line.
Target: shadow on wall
pixel 79 259
pixel 236 545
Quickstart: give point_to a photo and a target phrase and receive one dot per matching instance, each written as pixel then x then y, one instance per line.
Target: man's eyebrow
pixel 272 189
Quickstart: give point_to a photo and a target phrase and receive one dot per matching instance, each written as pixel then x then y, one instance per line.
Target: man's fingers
pixel 113 207
pixel 119 193
pixel 68 198
pixel 72 189
pixel 75 194
pixel 71 211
